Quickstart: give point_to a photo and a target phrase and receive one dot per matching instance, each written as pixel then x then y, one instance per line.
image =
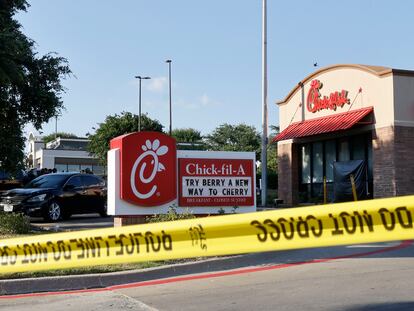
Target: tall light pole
pixel 264 100
pixel 56 117
pixel 139 105
pixel 168 61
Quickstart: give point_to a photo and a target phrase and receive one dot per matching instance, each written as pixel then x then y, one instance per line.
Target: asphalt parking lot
pixel 76 222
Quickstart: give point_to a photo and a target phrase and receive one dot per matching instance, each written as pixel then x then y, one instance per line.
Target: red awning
pixel 336 122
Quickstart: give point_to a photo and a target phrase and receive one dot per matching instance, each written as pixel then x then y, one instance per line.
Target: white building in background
pixel 64 154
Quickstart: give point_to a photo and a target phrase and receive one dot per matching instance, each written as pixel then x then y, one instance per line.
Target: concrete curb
pixel 215 264
pixel 102 280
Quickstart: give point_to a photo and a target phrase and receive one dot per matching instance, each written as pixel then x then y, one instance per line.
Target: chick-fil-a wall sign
pixel 316 102
pixel 142 177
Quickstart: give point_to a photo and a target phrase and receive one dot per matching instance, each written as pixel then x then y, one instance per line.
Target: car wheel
pixel 53 212
pixel 104 210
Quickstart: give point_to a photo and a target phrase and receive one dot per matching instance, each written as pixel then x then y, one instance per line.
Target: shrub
pixel 171 215
pixel 272 179
pixel 221 210
pixel 14 223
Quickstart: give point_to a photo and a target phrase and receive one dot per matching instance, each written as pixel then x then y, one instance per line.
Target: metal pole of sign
pixel 139 106
pixel 169 83
pixel 264 100
pixel 139 100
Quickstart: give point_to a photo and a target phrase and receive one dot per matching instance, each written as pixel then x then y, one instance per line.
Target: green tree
pixel 30 85
pixel 117 125
pixel 51 137
pixel 272 150
pixel 239 137
pixel 188 139
pixel 187 135
pixel 272 174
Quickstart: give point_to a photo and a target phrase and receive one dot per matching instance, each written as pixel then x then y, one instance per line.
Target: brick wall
pixel 383 162
pixel 393 161
pixel 288 186
pixel 120 221
pixel 404 159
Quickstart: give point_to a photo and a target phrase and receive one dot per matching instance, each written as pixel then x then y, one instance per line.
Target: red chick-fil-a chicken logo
pixel 150 156
pixel 148 173
pixel 315 103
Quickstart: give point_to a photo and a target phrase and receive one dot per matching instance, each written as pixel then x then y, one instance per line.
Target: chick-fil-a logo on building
pixel 315 103
pixel 148 168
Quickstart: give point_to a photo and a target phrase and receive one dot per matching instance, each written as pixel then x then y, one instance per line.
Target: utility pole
pixel 264 101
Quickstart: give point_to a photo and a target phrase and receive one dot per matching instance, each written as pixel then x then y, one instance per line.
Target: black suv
pixel 58 195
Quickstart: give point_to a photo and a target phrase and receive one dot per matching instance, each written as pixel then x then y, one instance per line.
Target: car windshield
pixel 48 181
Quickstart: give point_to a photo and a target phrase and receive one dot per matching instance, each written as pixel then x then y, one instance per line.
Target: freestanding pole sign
pixel 147 175
pixel 216 181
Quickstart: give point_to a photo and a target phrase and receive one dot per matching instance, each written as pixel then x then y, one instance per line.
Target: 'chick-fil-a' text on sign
pixel 216 182
pixel 316 102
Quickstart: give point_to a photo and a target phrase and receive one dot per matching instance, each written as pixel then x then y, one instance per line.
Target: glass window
pixel 61 167
pixel 317 191
pixel 343 152
pixel 47 181
pixel 317 158
pixel 330 158
pixel 73 168
pixel 86 168
pixel 98 170
pixel 74 182
pixel 89 180
pixel 358 148
pixel 305 150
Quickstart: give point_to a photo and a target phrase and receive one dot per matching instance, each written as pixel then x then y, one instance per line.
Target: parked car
pixel 58 195
pixel 7 181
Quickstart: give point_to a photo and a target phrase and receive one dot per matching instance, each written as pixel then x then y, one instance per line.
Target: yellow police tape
pixel 327 225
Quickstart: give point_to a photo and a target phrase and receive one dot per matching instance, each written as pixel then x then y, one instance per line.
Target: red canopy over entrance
pixel 333 123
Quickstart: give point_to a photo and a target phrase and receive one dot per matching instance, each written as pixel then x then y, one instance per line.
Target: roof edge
pixel 378 71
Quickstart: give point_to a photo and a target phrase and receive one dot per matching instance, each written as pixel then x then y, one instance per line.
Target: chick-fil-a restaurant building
pixel 345 114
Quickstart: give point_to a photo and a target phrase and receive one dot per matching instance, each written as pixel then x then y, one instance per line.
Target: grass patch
pixel 83 270
pixel 95 269
pixel 11 223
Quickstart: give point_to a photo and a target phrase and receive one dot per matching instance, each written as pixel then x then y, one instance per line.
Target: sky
pixel 215 48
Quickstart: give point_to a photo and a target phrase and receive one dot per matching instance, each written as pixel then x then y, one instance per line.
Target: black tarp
pixel 342 180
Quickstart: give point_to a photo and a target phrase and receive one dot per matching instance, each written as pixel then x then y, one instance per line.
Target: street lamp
pixel 264 102
pixel 168 61
pixel 56 117
pixel 139 109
